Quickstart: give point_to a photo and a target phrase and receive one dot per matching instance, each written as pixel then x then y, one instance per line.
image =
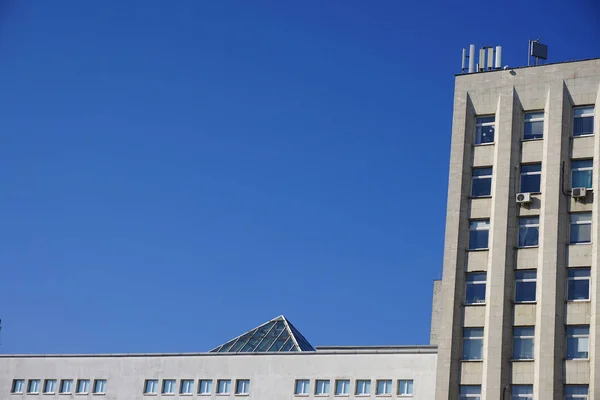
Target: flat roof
pixel 525 66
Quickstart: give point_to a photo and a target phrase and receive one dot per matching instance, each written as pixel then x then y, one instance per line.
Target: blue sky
pixel 176 173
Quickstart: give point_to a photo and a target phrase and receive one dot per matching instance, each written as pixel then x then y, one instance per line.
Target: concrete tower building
pixel 520 293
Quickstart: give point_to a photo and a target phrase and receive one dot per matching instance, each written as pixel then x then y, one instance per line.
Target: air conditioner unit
pixel 523 198
pixel 578 193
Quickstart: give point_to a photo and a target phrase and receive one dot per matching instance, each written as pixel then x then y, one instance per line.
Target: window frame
pixel 366 385
pixel 586 222
pixel 409 387
pixel 61 388
pixel 525 280
pixel 591 114
pixel 469 396
pixel 346 386
pixel 15 382
pixel 208 383
pixel 46 382
pixel 521 396
pixel 82 382
pixel 242 387
pixel 227 383
pixel 387 387
pixel 482 121
pixel 305 383
pixel 523 338
pixel 30 389
pixel 582 169
pixel 466 338
pixel 481 177
pixel 472 229
pixel 172 386
pixel 154 382
pixel 578 337
pixel 473 283
pixel 528 117
pixel 322 382
pixel 579 278
pixel 530 173
pixel 528 226
pixel 103 382
pixel 576 396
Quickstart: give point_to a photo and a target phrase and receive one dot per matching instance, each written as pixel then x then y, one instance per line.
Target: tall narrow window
pixel 405 387
pixel 531 176
pixel 478 234
pixel 583 121
pixel 475 290
pixel 578 284
pixel 384 386
pixel 100 386
pixel 576 392
pixel 242 386
pixel 470 392
pixel 522 392
pixel 481 182
pixel 534 126
pixel 205 386
pixel 302 386
pixel 223 386
pixel 342 386
pixel 472 343
pixel 523 337
pixel 18 386
pixel 578 341
pixel 363 386
pixel 50 386
pixel 581 227
pixel 484 131
pixel 582 173
pixel 529 231
pixel 525 286
pixel 322 387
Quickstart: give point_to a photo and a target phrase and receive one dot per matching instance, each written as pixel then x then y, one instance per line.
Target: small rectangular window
pixel 472 343
pixel 576 392
pixel 242 386
pixel 405 387
pixel 186 386
pixel 534 126
pixel 531 177
pixel 342 386
pixel 484 130
pixel 224 386
pixel 50 386
pixel 33 386
pixel 581 228
pixel 66 386
pixel 522 392
pixel 529 231
pixel 168 386
pixel 478 234
pixel 525 286
pixel 583 121
pixel 100 386
pixel 322 387
pixel 582 172
pixel 83 386
pixel 18 386
pixel 205 386
pixel 384 386
pixel 151 386
pixel 302 386
pixel 523 337
pixel 475 288
pixel 481 182
pixel 470 392
pixel 363 387
pixel 578 341
pixel 578 284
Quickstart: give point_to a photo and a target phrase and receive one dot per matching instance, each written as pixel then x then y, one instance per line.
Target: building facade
pixel 520 293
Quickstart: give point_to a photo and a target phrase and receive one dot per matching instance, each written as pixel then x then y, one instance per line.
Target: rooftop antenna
pixel 490 58
pixel 536 50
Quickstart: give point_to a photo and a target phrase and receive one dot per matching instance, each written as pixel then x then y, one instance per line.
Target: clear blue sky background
pixel 175 173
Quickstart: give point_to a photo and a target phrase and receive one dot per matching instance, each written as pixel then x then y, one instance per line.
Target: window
pixel 470 392
pixel 475 288
pixel 583 121
pixel 478 234
pixel 242 386
pixel 405 387
pixel 472 343
pixel 531 175
pixel 18 386
pixel 302 386
pixel 576 392
pixel 384 386
pixel 578 284
pixel 342 386
pixel 577 341
pixel 223 386
pixel 186 386
pixel 529 231
pixel 481 182
pixel 581 228
pixel 168 386
pixel 322 387
pixel 83 386
pixel 99 386
pixel 581 173
pixel 534 126
pixel 523 342
pixel 66 386
pixel 50 386
pixel 151 386
pixel 525 286
pixel 484 130
pixel 363 387
pixel 34 386
pixel 204 386
pixel 522 392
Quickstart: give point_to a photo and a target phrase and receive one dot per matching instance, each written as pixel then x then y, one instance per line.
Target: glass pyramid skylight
pixel 276 335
